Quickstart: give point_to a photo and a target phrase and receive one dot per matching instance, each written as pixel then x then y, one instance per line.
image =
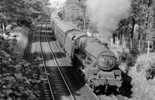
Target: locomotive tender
pixel 98 63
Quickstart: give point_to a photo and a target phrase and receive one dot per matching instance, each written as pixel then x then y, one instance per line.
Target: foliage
pixel 27 9
pixel 143 13
pixel 140 25
pixel 19 79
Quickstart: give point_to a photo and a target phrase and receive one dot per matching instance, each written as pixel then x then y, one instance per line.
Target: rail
pixel 44 66
pixel 58 66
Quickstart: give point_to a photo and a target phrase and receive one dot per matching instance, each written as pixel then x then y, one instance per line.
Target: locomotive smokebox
pixel 106 61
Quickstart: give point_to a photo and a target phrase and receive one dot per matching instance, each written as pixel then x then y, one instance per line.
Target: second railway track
pixel 46 91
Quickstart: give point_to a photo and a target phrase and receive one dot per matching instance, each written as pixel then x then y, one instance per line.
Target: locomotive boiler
pixel 95 59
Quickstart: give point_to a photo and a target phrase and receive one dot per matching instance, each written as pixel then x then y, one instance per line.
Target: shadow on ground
pixel 73 77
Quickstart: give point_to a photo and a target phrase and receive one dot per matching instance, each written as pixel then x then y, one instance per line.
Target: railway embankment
pixel 20 78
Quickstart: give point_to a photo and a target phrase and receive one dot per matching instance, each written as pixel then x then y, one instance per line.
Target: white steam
pixel 106 14
pixel 57 3
pixel 143 89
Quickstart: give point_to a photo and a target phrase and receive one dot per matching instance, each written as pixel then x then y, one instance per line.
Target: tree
pixel 27 9
pixel 143 15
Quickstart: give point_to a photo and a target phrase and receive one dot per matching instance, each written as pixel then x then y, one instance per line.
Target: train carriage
pixel 61 29
pixel 70 41
pixel 66 34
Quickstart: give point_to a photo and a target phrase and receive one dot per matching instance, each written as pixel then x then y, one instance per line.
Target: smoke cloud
pixel 106 14
pixel 143 89
pixel 57 3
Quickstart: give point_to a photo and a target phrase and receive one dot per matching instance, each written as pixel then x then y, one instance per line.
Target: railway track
pixel 46 93
pixel 73 76
pixel 59 81
pixel 47 90
pixel 58 86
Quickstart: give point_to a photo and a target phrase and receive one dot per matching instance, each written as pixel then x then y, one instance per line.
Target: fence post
pixel 131 45
pixel 139 45
pixel 148 48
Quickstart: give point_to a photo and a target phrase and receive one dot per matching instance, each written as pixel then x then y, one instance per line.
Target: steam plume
pixel 143 89
pixel 57 3
pixel 106 14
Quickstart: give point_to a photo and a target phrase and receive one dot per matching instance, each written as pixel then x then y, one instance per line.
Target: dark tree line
pixel 22 9
pixel 139 27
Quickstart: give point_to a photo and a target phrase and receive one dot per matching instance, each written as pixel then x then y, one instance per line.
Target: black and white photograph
pixel 77 49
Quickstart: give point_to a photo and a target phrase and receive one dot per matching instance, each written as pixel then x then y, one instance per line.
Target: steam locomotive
pixel 97 61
